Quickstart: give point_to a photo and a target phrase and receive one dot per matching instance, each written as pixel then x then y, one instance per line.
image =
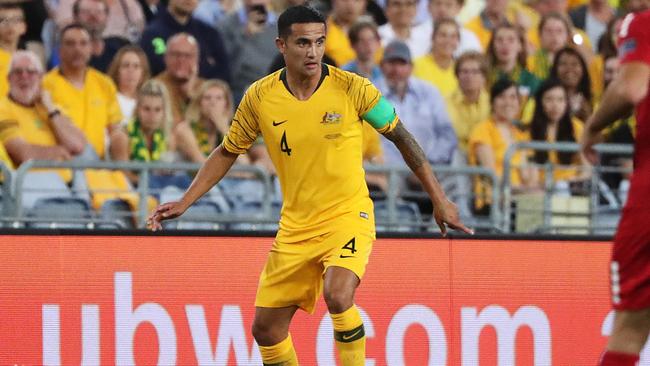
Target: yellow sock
pixel 350 337
pixel 281 354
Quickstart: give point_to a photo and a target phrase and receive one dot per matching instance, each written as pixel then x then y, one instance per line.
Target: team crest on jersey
pixel 627 46
pixel 331 118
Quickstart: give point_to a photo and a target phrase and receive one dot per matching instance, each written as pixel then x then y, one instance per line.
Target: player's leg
pixel 628 337
pixel 338 290
pixel 271 332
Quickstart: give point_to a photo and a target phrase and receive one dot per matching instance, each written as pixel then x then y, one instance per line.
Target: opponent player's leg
pixel 339 287
pixel 628 337
pixel 271 332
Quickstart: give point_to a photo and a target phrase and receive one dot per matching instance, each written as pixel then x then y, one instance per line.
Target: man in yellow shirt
pixel 31 125
pixel 12 27
pixel 86 95
pixel 311 117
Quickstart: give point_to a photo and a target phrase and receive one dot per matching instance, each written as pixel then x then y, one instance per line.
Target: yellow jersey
pixel 5 60
pixel 316 147
pixel 426 68
pixel 92 108
pixel 30 123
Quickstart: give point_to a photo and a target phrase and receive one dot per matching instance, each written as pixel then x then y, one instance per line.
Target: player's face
pixel 555 103
pixel 554 35
pixel 303 49
pixel 75 48
pixel 506 105
pixel 150 112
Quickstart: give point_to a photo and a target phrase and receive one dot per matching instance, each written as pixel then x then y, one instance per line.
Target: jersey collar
pixel 325 71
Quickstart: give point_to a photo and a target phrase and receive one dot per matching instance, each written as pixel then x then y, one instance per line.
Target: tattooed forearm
pixel 407 146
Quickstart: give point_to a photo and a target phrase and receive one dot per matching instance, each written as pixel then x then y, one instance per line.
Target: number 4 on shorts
pixel 350 246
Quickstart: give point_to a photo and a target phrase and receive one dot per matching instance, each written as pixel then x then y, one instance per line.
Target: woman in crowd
pixel 507 56
pixel 437 67
pixel 491 138
pixel 571 69
pixel 129 70
pixel 554 34
pixel 553 122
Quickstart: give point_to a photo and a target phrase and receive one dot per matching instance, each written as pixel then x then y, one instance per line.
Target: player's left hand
pixel 446 215
pixel 588 140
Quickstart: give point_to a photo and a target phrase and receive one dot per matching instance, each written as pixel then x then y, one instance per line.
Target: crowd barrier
pixel 169 300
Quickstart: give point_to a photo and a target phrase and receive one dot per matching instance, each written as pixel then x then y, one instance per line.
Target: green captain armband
pixel 381 115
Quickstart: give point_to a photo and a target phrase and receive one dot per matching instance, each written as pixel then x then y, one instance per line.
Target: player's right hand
pixel 166 211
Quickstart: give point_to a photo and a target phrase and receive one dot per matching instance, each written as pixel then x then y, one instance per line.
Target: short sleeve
pixel 371 106
pixel 634 38
pixel 244 128
pixel 8 129
pixel 479 135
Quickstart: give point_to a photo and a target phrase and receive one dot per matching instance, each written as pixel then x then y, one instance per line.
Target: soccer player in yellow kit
pixel 310 115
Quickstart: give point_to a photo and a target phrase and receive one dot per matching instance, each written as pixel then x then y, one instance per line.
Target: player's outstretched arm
pixel 627 89
pixel 211 172
pixel 445 212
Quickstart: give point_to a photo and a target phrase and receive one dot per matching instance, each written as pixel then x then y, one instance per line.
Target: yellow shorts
pixel 293 273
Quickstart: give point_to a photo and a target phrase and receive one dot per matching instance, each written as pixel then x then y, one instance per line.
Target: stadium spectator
pixel 422 110
pixel 31 125
pixel 151 8
pixel 490 139
pixel 443 9
pixel 554 34
pixel 437 67
pixel 629 273
pixel 93 15
pixel 151 136
pixel 212 12
pixel 206 122
pixel 593 17
pixel 507 57
pixel 325 204
pixel 249 37
pixel 12 27
pixel 401 26
pixel 553 122
pixel 124 20
pixel 177 18
pixel 129 70
pixel 36 14
pixel 571 69
pixel 180 76
pixel 469 104
pixel 84 94
pixel 492 16
pixel 344 14
pixel 365 41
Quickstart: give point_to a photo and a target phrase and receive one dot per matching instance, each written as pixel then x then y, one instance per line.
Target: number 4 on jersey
pixel 284 146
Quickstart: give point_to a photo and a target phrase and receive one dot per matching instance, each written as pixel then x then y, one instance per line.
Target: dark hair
pixel 72 26
pixel 359 26
pixel 297 15
pixel 606 43
pixel 521 57
pixel 76 4
pixel 471 56
pixel 501 86
pixel 11 5
pixel 584 86
pixel 539 123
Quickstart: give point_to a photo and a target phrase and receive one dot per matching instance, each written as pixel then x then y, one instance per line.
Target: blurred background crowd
pixel 158 81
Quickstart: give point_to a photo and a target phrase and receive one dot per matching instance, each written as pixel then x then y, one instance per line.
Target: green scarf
pixel 138 143
pixel 203 138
